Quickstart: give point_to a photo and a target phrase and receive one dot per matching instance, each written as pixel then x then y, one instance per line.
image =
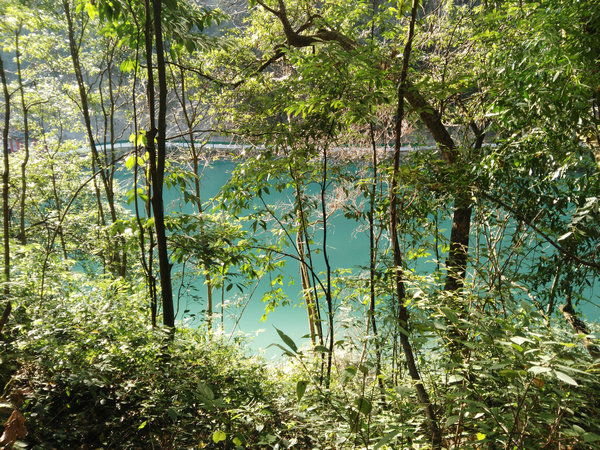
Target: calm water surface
pixel 347 248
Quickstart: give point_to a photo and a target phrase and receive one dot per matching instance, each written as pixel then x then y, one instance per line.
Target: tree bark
pixel 120 258
pixel 373 257
pixel 456 263
pixel 580 327
pixel 308 289
pixel 22 236
pixel 403 314
pixel 328 298
pixel 158 152
pixel 5 199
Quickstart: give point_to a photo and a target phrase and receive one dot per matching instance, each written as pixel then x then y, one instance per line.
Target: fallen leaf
pixel 14 429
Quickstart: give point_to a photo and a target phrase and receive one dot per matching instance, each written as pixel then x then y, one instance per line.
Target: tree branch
pixel 545 236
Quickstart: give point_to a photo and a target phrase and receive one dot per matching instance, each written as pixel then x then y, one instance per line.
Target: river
pixel 348 248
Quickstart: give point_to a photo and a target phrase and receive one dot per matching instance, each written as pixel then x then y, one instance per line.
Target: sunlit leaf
pixel 219 436
pixel 565 378
pixel 288 340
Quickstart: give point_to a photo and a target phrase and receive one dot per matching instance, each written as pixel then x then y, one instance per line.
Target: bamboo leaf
pixel 288 340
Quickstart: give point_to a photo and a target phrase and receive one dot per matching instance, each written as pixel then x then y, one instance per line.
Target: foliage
pixel 115 381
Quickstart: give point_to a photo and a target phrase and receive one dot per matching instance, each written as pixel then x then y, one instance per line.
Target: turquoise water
pixel 348 248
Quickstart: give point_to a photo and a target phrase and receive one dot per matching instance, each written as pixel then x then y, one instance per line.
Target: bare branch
pixel 268 8
pixel 544 235
pixel 196 71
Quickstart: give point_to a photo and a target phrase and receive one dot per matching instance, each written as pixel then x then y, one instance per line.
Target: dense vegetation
pixel 465 338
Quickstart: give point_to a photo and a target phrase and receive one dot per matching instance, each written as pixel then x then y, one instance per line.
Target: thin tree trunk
pixel 328 297
pixel 158 153
pixel 308 258
pixel 209 289
pixel 58 207
pixel 22 236
pixel 119 259
pixel 373 258
pixel 308 289
pixel 403 315
pixel 195 153
pixel 146 264
pixel 114 258
pixel 5 204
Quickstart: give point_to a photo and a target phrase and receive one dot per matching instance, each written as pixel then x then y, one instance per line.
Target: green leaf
pixel 517 347
pixel 129 162
pixel 349 372
pixel 91 9
pixel 481 436
pixel 386 438
pixel 127 66
pixel 536 370
pixel 285 350
pixel 364 405
pixel 590 437
pixel 509 373
pixel 321 349
pixel 219 436
pixel 565 378
pixel 519 340
pixel 452 420
pixel 450 315
pixel 190 46
pixel 288 340
pixel 301 389
pixel 205 391
pixel 143 424
pixel 456 378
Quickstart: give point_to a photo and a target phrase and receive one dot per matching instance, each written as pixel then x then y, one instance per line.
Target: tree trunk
pixel 5 204
pixel 373 258
pixel 580 327
pixel 195 154
pixel 114 259
pixel 403 314
pixel 328 297
pixel 120 253
pixel 158 153
pixel 456 263
pixel 209 289
pixel 22 236
pixel 308 289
